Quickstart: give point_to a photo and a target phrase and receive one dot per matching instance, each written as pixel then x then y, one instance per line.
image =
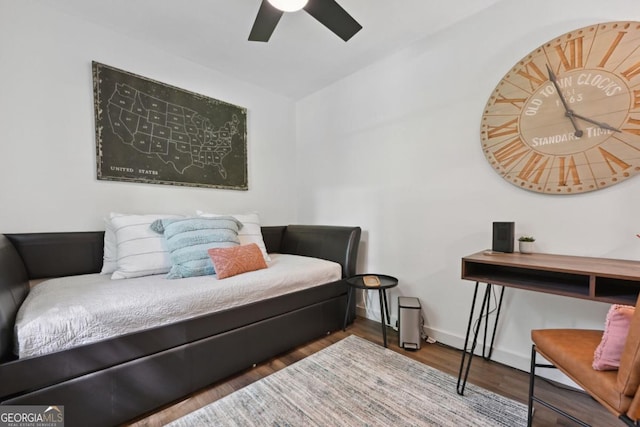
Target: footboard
pixel 333 243
pixel 14 287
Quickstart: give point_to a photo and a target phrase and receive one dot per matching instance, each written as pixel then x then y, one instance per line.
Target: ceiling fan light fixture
pixel 288 5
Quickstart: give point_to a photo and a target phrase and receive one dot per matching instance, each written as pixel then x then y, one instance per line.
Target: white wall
pixel 47 147
pixel 395 148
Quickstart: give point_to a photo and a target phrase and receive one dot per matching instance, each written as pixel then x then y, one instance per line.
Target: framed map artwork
pixel 150 132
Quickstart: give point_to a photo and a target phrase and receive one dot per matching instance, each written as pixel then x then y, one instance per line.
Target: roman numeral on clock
pixel 535 166
pixel 632 71
pixel 513 101
pixel 613 160
pixel 511 152
pixel 507 128
pixel 535 80
pixel 636 99
pixel 567 168
pixel 574 58
pixel 611 49
pixel 633 130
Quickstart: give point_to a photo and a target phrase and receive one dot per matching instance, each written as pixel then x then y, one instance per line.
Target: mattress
pixel 65 312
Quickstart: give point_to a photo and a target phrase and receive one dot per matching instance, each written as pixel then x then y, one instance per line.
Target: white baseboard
pixel 506 357
pixel 515 360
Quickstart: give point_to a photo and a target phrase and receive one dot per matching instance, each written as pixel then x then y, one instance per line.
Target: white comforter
pixel 65 312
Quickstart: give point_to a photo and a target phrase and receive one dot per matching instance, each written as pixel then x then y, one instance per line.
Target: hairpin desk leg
pixel 485 310
pixel 495 326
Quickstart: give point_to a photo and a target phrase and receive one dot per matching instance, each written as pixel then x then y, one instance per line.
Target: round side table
pixel 386 282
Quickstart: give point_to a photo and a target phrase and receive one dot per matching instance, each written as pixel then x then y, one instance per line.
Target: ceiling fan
pixel 327 12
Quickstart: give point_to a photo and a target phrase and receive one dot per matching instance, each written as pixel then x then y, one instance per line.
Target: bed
pixel 114 380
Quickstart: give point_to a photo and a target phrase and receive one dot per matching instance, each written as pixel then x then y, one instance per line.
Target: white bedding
pixel 66 312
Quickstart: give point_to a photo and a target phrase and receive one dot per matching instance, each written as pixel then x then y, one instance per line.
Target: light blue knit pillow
pixel 189 239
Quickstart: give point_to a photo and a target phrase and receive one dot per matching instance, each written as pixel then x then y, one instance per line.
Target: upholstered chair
pixel 572 352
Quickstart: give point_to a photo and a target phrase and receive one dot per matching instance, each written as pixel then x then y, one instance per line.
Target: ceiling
pixel 302 56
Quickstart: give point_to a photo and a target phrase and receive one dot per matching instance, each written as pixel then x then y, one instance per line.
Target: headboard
pixel 60 254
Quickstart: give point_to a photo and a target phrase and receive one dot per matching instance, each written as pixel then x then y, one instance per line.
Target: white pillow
pixel 140 251
pixel 110 257
pixel 250 231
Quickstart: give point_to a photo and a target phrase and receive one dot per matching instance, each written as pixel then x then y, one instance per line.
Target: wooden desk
pixel 612 281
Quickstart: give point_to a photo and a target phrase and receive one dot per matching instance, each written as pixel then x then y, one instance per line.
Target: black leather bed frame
pixel 116 380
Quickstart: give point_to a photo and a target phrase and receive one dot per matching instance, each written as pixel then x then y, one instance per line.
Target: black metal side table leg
pixel 346 311
pixel 386 305
pixel 383 310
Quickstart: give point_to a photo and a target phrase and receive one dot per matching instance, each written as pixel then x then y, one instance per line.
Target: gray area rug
pixel 357 383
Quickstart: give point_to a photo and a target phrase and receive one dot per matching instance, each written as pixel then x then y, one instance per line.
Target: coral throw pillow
pixel 235 260
pixel 616 329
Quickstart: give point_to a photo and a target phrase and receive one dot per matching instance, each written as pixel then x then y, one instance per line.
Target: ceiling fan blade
pixel 265 23
pixel 334 17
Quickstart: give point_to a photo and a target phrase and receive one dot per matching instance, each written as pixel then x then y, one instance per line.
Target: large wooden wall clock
pixel 566 118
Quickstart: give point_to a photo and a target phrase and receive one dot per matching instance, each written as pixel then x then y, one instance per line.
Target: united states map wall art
pixel 150 132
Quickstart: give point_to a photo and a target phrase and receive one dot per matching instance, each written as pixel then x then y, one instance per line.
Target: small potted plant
pixel 525 244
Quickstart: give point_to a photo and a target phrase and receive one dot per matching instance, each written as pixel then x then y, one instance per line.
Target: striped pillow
pixel 188 240
pixel 250 232
pixel 138 251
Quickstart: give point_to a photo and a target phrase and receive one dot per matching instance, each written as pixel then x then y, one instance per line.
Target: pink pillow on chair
pixel 616 329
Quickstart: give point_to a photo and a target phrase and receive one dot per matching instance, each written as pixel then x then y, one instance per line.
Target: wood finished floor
pixel 492 376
